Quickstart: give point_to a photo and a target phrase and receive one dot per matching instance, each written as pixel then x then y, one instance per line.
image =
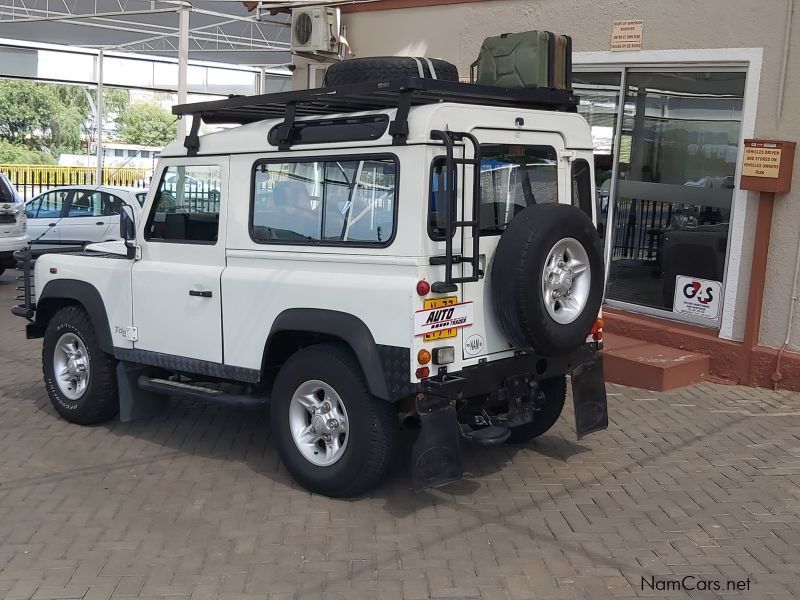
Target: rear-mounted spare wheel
pixel 384 68
pixel 547 278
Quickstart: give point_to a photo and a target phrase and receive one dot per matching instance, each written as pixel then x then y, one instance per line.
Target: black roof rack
pixel 401 94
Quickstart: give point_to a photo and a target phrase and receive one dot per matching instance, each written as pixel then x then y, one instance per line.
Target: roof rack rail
pixel 400 94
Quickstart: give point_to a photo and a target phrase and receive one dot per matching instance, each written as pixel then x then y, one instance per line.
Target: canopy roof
pixel 219 30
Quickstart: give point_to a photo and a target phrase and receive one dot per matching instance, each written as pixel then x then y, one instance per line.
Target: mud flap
pixel 436 455
pixel 589 396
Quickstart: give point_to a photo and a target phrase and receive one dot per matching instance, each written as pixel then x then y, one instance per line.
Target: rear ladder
pixel 450 283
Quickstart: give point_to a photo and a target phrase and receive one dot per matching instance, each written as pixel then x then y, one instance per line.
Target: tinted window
pixel 112 205
pixel 513 176
pixel 186 205
pixel 336 201
pixel 86 204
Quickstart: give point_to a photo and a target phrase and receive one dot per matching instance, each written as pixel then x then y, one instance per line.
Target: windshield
pixel 513 176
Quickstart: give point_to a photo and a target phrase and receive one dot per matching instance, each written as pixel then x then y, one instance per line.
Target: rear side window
pixel 513 176
pixel 186 207
pixel 85 203
pixel 347 201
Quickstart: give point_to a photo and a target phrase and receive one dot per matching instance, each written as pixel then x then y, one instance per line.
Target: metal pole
pixel 99 119
pixel 183 61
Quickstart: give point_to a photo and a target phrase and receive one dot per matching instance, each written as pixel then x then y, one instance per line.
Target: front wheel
pixel 80 378
pixel 555 393
pixel 333 436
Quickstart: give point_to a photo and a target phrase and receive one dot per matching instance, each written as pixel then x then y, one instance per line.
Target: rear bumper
pixel 9 245
pixel 488 377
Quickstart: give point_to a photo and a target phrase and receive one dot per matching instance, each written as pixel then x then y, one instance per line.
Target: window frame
pixel 326 158
pixel 154 204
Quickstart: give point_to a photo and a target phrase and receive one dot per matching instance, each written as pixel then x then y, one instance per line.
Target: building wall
pixel 455 32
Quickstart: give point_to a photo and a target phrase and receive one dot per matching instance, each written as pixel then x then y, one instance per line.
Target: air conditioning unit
pixel 315 29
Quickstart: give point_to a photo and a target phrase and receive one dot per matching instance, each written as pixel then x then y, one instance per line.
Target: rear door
pixel 85 220
pixel 518 169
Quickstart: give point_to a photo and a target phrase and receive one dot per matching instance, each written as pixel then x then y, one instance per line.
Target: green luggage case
pixel 528 59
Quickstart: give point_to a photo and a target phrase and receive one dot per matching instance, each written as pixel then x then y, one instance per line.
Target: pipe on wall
pixel 787 36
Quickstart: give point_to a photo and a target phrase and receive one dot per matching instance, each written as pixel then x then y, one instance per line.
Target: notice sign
pixel 762 159
pixel 697 297
pixel 432 320
pixel 627 35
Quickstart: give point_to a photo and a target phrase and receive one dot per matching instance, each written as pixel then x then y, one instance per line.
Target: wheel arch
pixel 65 292
pixel 297 328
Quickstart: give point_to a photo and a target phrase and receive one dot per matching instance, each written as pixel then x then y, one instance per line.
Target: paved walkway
pixel 703 482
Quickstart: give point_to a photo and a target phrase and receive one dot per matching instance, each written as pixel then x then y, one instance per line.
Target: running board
pixel 188 391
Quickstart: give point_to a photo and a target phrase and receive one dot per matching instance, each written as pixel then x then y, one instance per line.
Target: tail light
pixel 423 372
pixel 423 287
pixel 423 357
pixel 597 330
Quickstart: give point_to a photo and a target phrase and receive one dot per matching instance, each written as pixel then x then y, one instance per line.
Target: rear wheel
pixel 333 436
pixel 555 393
pixel 80 378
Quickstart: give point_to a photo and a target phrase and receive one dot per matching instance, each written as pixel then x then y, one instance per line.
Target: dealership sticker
pixel 697 297
pixel 446 317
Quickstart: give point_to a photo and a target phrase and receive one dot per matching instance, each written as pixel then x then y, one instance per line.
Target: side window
pixel 186 205
pixel 332 201
pixel 51 204
pixel 141 197
pixel 582 186
pixel 112 205
pixel 85 204
pixel 32 207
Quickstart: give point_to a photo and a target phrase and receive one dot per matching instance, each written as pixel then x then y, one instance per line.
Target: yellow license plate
pixel 438 303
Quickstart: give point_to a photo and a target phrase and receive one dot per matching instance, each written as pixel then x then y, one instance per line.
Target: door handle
pixel 100 223
pixel 52 224
pixel 200 293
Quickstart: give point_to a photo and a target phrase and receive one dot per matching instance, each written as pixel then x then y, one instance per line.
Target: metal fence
pixel 32 180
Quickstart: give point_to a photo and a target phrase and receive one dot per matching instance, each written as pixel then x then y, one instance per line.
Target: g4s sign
pixel 698 297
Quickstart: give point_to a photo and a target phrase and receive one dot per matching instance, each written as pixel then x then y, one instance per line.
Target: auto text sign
pixel 762 160
pixel 445 317
pixel 697 297
pixel 627 35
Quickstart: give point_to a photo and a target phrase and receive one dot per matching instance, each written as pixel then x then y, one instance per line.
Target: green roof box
pixel 528 59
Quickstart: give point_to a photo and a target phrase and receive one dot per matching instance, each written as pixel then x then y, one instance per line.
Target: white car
pixel 79 215
pixel 354 274
pixel 12 224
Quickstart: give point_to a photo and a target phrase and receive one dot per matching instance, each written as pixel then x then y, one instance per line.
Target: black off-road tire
pixel 372 427
pixel 100 401
pixel 516 278
pixel 384 68
pixel 555 393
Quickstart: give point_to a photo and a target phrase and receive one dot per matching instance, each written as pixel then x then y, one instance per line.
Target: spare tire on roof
pixel 383 68
pixel 547 278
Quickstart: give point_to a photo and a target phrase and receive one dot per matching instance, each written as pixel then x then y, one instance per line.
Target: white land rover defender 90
pixel 360 258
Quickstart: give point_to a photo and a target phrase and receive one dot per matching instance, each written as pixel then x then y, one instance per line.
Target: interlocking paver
pixel 701 482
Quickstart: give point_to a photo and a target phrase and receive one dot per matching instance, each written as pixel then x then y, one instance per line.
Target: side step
pixel 189 391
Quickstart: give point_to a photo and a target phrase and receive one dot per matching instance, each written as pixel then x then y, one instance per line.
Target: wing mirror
pixel 127 229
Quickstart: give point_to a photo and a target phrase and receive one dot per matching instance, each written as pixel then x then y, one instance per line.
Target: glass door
pixel 675 178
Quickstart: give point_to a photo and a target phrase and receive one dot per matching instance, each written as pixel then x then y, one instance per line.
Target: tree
pixel 25 110
pixel 17 154
pixel 146 124
pixel 43 116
